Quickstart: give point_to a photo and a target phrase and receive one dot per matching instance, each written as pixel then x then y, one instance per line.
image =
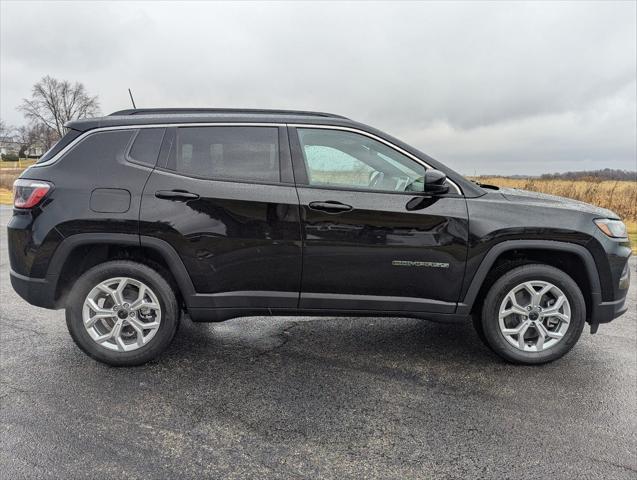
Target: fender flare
pixel 465 306
pixel 168 253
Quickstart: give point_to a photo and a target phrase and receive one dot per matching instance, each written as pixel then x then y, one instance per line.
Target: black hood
pixel 540 199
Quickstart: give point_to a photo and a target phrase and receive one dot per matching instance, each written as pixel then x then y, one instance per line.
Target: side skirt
pixel 222 314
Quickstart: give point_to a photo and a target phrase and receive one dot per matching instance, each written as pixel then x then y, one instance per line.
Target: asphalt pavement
pixel 312 398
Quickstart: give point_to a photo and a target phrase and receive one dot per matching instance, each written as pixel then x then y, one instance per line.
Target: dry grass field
pixel 7 176
pixel 9 171
pixel 618 196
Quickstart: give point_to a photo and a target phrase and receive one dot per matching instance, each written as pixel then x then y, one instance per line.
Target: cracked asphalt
pixel 312 398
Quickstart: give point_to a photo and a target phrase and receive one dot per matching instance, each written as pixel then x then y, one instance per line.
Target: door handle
pixel 330 206
pixel 176 195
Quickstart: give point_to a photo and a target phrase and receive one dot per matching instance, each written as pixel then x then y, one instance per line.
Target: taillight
pixel 28 193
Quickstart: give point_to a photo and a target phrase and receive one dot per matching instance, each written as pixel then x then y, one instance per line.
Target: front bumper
pixel 604 312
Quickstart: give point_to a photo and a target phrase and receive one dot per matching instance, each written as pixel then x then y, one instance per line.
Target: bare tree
pixel 26 136
pixel 44 136
pixel 54 102
pixel 6 131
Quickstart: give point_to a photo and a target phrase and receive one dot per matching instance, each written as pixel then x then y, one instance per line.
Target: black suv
pixel 134 218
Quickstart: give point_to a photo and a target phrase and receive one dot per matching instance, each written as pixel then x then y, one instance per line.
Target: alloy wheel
pixel 121 314
pixel 534 316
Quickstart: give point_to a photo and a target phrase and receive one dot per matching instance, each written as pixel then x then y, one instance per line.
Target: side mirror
pixel 435 182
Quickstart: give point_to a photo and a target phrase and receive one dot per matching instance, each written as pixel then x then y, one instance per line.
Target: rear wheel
pixel 532 314
pixel 122 313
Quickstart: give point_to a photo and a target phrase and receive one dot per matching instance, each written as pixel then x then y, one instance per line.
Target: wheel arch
pixel 550 252
pixel 72 258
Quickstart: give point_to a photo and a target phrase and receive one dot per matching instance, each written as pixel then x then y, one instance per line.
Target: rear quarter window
pixel 98 150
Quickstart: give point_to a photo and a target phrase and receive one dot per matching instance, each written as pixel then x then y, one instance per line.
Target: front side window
pixel 336 158
pixel 227 153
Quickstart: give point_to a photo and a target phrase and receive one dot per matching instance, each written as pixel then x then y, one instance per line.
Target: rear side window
pixel 146 146
pixel 232 153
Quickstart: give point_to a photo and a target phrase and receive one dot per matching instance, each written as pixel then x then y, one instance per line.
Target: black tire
pixel 170 312
pixel 489 330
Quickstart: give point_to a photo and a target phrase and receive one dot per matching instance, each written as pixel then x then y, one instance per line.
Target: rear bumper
pixel 37 291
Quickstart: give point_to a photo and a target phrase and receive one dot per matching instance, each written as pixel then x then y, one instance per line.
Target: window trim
pixel 297 152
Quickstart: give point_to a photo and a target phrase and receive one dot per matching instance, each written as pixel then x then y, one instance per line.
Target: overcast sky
pixel 508 88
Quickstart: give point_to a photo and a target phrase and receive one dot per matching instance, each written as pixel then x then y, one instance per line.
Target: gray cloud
pixel 485 87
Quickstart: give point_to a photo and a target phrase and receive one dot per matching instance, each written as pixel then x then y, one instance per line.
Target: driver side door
pixel 362 248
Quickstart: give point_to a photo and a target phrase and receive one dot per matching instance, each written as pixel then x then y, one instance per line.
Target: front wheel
pixel 122 313
pixel 533 314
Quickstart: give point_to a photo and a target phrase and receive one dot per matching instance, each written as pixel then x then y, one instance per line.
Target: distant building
pixel 9 145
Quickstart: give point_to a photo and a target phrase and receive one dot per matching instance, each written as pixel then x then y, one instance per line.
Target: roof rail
pixel 164 111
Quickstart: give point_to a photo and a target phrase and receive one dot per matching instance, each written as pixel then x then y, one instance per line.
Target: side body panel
pixel 81 178
pixel 381 256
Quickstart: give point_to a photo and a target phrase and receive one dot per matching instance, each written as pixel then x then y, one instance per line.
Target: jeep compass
pixel 132 219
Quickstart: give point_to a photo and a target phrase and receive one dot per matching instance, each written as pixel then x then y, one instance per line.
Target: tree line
pixel 52 103
pixel 595 175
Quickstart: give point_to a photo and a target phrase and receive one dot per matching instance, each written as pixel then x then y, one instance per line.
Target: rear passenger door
pixel 223 197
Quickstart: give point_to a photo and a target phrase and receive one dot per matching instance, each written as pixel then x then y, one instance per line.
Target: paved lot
pixel 298 398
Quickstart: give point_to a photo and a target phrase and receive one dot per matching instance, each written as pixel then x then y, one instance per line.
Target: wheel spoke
pixel 514 308
pixel 116 334
pixel 118 292
pixel 516 330
pixel 99 313
pixel 554 310
pixel 107 290
pixel 541 335
pixel 560 316
pixel 103 338
pixel 120 343
pixel 521 332
pixel 536 296
pixel 140 298
pixel 138 325
pixel 546 289
pixel 549 333
pixel 137 306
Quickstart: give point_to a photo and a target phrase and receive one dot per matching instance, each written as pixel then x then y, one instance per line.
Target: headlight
pixel 611 228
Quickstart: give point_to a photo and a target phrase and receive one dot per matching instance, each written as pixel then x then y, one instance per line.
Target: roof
pixel 148 116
